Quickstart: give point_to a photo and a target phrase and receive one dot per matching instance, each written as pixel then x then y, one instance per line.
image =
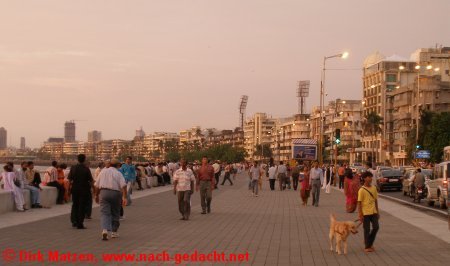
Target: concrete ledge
pixel 48 198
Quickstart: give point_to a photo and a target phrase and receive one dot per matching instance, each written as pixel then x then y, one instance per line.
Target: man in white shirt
pixel 183 187
pixel 272 177
pixel 281 172
pixel 110 187
pixel 217 172
pixel 316 180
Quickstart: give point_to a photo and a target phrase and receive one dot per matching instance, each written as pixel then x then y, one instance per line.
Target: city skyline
pixel 150 64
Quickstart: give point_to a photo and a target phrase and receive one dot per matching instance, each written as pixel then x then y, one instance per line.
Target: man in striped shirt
pixel 183 187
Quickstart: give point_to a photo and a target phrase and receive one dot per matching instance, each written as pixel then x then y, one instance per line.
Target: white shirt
pixel 282 169
pixel 255 172
pixel 184 179
pixel 216 167
pixel 316 173
pixel 110 178
pixel 51 174
pixel 272 172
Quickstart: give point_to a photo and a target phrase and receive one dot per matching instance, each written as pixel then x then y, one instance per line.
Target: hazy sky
pixel 168 65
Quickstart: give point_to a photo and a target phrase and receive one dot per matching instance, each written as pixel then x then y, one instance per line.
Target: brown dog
pixel 340 231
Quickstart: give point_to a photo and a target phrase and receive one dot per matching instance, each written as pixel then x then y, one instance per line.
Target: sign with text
pixel 422 154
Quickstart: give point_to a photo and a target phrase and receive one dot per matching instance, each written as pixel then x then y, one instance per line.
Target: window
pixel 390 87
pixel 391 77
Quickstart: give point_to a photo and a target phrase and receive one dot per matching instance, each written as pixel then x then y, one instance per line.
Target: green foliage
pixel 437 135
pixel 263 150
pixel 225 153
pixel 372 126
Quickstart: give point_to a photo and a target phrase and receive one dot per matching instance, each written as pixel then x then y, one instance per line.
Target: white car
pixel 438 185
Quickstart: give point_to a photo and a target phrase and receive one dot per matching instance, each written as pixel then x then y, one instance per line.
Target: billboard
pixel 304 149
pixel 422 154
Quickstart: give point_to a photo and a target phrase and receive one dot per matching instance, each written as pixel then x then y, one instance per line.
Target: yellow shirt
pixel 367 201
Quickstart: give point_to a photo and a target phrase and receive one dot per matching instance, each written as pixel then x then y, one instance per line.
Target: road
pixel 409 201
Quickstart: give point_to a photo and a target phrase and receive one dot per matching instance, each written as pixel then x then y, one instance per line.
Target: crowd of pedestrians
pixel 111 185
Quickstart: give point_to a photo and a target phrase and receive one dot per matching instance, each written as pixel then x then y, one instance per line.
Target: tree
pixel 263 150
pixel 372 127
pixel 437 135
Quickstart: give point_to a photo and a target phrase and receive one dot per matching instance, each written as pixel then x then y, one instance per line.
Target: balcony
pixel 402 102
pixel 401 115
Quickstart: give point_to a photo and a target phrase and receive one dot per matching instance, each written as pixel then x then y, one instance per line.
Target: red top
pixel 206 173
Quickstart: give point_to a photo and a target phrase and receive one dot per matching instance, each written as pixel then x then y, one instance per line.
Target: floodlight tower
pixel 302 93
pixel 242 107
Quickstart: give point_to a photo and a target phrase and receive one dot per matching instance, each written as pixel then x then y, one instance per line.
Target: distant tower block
pixel 22 143
pixel 242 107
pixel 69 131
pixel 3 138
pixel 94 136
pixel 302 93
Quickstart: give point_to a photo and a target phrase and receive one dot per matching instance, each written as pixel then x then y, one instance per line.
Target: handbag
pixel 327 189
pixel 17 182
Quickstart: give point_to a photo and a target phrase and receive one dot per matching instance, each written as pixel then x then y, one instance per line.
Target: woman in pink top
pixel 351 187
pixel 9 177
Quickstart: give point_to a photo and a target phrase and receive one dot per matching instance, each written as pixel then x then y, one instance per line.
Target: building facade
pixel 94 136
pixel 257 132
pixel 69 131
pixel 285 131
pixel 398 90
pixel 3 138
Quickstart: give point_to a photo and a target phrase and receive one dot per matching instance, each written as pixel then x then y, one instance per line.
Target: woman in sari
pixel 306 187
pixel 63 181
pixel 351 187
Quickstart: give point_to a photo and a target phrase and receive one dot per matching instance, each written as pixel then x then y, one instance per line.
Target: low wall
pixel 48 199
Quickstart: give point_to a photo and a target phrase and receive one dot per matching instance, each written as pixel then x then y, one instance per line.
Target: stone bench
pixel 144 183
pixel 7 204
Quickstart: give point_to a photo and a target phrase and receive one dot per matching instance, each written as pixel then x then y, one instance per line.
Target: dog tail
pixel 332 217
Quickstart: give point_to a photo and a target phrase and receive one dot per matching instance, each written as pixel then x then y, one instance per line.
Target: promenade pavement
pixel 273 229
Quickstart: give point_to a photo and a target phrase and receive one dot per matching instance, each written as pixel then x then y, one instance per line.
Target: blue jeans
pixel 35 194
pixel 130 185
pixel 255 186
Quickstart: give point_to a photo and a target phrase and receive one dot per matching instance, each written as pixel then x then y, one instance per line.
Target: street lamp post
pixel 322 94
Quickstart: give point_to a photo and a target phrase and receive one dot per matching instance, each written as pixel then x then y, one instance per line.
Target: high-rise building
pixel 94 136
pixel 3 138
pixel 69 131
pixel 258 131
pixel 398 89
pixel 140 133
pixel 22 143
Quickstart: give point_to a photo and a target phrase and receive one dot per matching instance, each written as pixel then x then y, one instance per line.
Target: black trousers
pixel 80 200
pixel 369 236
pixel 61 191
pixel 217 177
pixel 227 177
pixel 295 181
pixel 272 184
pixel 88 212
pixel 341 181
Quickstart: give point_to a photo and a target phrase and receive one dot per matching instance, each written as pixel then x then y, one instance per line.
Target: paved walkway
pixel 274 229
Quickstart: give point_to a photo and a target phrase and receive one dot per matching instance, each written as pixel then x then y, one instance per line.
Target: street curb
pixel 440 213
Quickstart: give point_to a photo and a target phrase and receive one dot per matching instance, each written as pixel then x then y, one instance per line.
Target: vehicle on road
pixel 408 186
pixel 390 179
pixel 438 185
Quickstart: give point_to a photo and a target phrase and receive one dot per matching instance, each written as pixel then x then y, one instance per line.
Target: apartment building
pixel 257 131
pixel 398 89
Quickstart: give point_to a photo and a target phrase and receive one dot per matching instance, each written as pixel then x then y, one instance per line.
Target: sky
pixel 169 65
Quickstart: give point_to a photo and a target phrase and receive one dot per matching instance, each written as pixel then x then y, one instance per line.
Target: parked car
pixel 438 185
pixel 408 186
pixel 390 179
